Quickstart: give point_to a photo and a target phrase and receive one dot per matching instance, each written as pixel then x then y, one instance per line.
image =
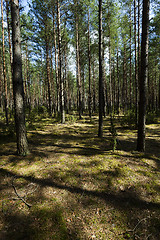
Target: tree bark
pixel 48 74
pixel 79 82
pixel 61 81
pixel 143 77
pixel 4 67
pixel 1 81
pixel 89 65
pixel 118 84
pixel 10 53
pixel 56 69
pixel 94 88
pixel 135 70
pixel 100 130
pixel 28 83
pixel 110 74
pixel 124 88
pixel 139 50
pixel 130 60
pixel 52 83
pixel 18 92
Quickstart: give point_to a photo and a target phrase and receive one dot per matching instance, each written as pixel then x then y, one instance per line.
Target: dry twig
pixel 19 197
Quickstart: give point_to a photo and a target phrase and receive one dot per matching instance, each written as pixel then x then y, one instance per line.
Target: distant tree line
pixel 105 42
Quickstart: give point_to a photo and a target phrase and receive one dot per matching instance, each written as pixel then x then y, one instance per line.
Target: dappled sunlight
pixel 78 187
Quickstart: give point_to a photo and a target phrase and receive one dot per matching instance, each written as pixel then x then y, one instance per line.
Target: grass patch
pixel 77 186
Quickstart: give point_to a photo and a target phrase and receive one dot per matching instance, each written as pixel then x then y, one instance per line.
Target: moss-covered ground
pixel 78 188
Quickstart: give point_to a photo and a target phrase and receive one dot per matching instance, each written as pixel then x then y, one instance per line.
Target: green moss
pixel 89 192
pixel 49 222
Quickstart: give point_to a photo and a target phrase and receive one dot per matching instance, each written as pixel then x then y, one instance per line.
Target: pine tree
pixel 143 77
pixel 18 92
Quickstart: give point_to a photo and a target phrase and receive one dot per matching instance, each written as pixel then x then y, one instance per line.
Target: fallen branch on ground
pixel 133 230
pixel 19 197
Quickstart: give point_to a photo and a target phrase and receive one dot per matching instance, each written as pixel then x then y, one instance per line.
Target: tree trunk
pixel 143 77
pixel 104 81
pixel 4 67
pixel 130 60
pixel 79 82
pixel 18 92
pixel 48 74
pixel 94 88
pixel 10 53
pixel 159 94
pixel 124 96
pixel 56 69
pixel 83 91
pixel 100 130
pixel 135 70
pixel 110 74
pixel 78 74
pixel 139 53
pixel 89 65
pixel 28 90
pixel 65 76
pixel 1 80
pixel 118 84
pixel 61 81
pixel 52 83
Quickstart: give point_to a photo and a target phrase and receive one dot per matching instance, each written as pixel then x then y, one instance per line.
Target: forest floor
pixel 76 187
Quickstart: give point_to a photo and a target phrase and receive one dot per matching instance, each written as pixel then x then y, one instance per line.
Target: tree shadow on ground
pixel 45 218
pixel 152 149
pixel 118 200
pixel 39 223
pixel 126 202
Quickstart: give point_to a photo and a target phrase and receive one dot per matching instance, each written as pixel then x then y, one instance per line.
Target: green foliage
pixel 35 115
pixel 128 119
pixel 41 110
pixel 71 118
pixel 113 132
pixel 151 118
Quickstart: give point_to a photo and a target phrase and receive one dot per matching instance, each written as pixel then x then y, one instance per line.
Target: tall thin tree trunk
pixel 124 95
pixel 104 81
pixel 28 90
pixel 110 75
pixel 83 90
pixel 135 70
pixel 78 70
pixel 18 92
pixel 56 68
pixel 61 81
pixel 1 80
pixel 48 74
pixel 94 88
pixel 4 67
pixel 118 84
pixel 100 130
pixel 10 52
pixel 159 94
pixel 139 50
pixel 89 65
pixel 143 77
pixel 65 76
pixel 130 60
pixel 52 83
